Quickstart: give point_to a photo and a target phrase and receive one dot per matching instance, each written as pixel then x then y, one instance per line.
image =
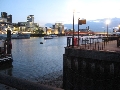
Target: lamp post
pixel 73 31
pixel 107 30
pixel 119 27
pixel 78 31
pixel 107 22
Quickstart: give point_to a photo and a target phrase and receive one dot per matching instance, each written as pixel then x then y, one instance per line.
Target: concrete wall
pixel 90 70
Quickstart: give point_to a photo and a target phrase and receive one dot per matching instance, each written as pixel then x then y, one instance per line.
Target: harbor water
pixel 32 60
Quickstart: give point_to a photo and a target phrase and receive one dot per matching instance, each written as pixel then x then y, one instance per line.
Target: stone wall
pixel 90 70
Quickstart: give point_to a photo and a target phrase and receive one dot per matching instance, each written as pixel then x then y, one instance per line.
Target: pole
pixel 73 31
pixel 119 28
pixel 46 30
pixel 104 32
pixel 8 42
pixel 78 31
pixel 107 31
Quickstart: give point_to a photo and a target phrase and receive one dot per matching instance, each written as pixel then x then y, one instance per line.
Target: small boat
pixel 48 37
pixel 53 35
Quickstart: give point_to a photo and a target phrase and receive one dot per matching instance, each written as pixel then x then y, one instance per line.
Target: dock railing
pixel 93 43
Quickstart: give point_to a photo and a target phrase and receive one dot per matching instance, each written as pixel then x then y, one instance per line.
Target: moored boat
pixel 48 37
pixel 53 35
pixel 16 35
pixel 20 36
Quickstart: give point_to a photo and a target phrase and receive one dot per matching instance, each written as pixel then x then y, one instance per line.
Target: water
pixel 32 60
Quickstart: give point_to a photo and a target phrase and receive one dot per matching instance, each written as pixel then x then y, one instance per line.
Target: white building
pixel 59 27
pixel 3 19
pixel 4 25
pixel 30 18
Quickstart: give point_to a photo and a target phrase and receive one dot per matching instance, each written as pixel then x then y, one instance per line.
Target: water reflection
pixel 32 60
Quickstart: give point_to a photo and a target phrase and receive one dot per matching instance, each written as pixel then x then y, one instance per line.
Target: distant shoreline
pixel 42 35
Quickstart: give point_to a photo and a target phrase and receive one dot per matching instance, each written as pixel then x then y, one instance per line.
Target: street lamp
pixel 78 31
pixel 73 31
pixel 107 22
pixel 119 27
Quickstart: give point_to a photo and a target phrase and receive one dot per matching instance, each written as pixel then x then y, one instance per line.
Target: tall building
pixel 59 27
pixel 3 14
pixel 30 21
pixel 30 18
pixel 9 18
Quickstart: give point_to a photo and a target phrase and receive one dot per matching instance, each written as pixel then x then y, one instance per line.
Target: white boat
pixel 20 36
pixel 53 35
pixel 17 35
pixel 48 37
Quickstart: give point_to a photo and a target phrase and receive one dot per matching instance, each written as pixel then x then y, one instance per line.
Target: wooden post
pixel 8 42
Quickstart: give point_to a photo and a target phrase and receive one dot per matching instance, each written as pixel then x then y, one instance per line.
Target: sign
pixel 82 22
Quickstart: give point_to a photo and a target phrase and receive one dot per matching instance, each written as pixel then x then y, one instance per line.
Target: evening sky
pixel 52 11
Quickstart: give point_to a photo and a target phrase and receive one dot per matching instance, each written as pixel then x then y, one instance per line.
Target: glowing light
pixel 119 26
pixel 107 21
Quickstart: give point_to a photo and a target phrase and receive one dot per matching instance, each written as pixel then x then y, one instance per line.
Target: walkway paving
pixel 110 46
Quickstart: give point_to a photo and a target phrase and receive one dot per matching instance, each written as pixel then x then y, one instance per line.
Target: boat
pixel 48 37
pixel 16 35
pixel 53 35
pixel 20 36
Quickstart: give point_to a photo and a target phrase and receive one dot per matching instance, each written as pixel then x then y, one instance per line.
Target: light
pixel 107 22
pixel 119 26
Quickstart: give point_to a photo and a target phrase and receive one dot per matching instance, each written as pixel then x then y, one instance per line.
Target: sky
pixel 52 11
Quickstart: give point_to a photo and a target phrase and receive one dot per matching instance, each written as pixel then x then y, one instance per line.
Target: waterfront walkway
pixel 112 46
pixel 92 44
pixel 109 46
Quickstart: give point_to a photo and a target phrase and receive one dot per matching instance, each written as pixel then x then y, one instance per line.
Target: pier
pixel 5 51
pixel 92 66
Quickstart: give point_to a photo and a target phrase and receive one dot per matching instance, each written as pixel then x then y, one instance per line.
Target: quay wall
pixel 90 69
pixel 42 35
pixel 37 35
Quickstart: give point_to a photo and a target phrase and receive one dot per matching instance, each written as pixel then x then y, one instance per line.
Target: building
pixel 4 25
pixel 9 18
pixel 3 20
pixel 3 15
pixel 30 18
pixel 30 23
pixel 58 28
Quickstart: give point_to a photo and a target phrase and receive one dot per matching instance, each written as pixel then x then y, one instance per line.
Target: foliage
pixel 39 31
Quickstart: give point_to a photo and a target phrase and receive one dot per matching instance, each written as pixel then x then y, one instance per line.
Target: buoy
pixel 41 42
